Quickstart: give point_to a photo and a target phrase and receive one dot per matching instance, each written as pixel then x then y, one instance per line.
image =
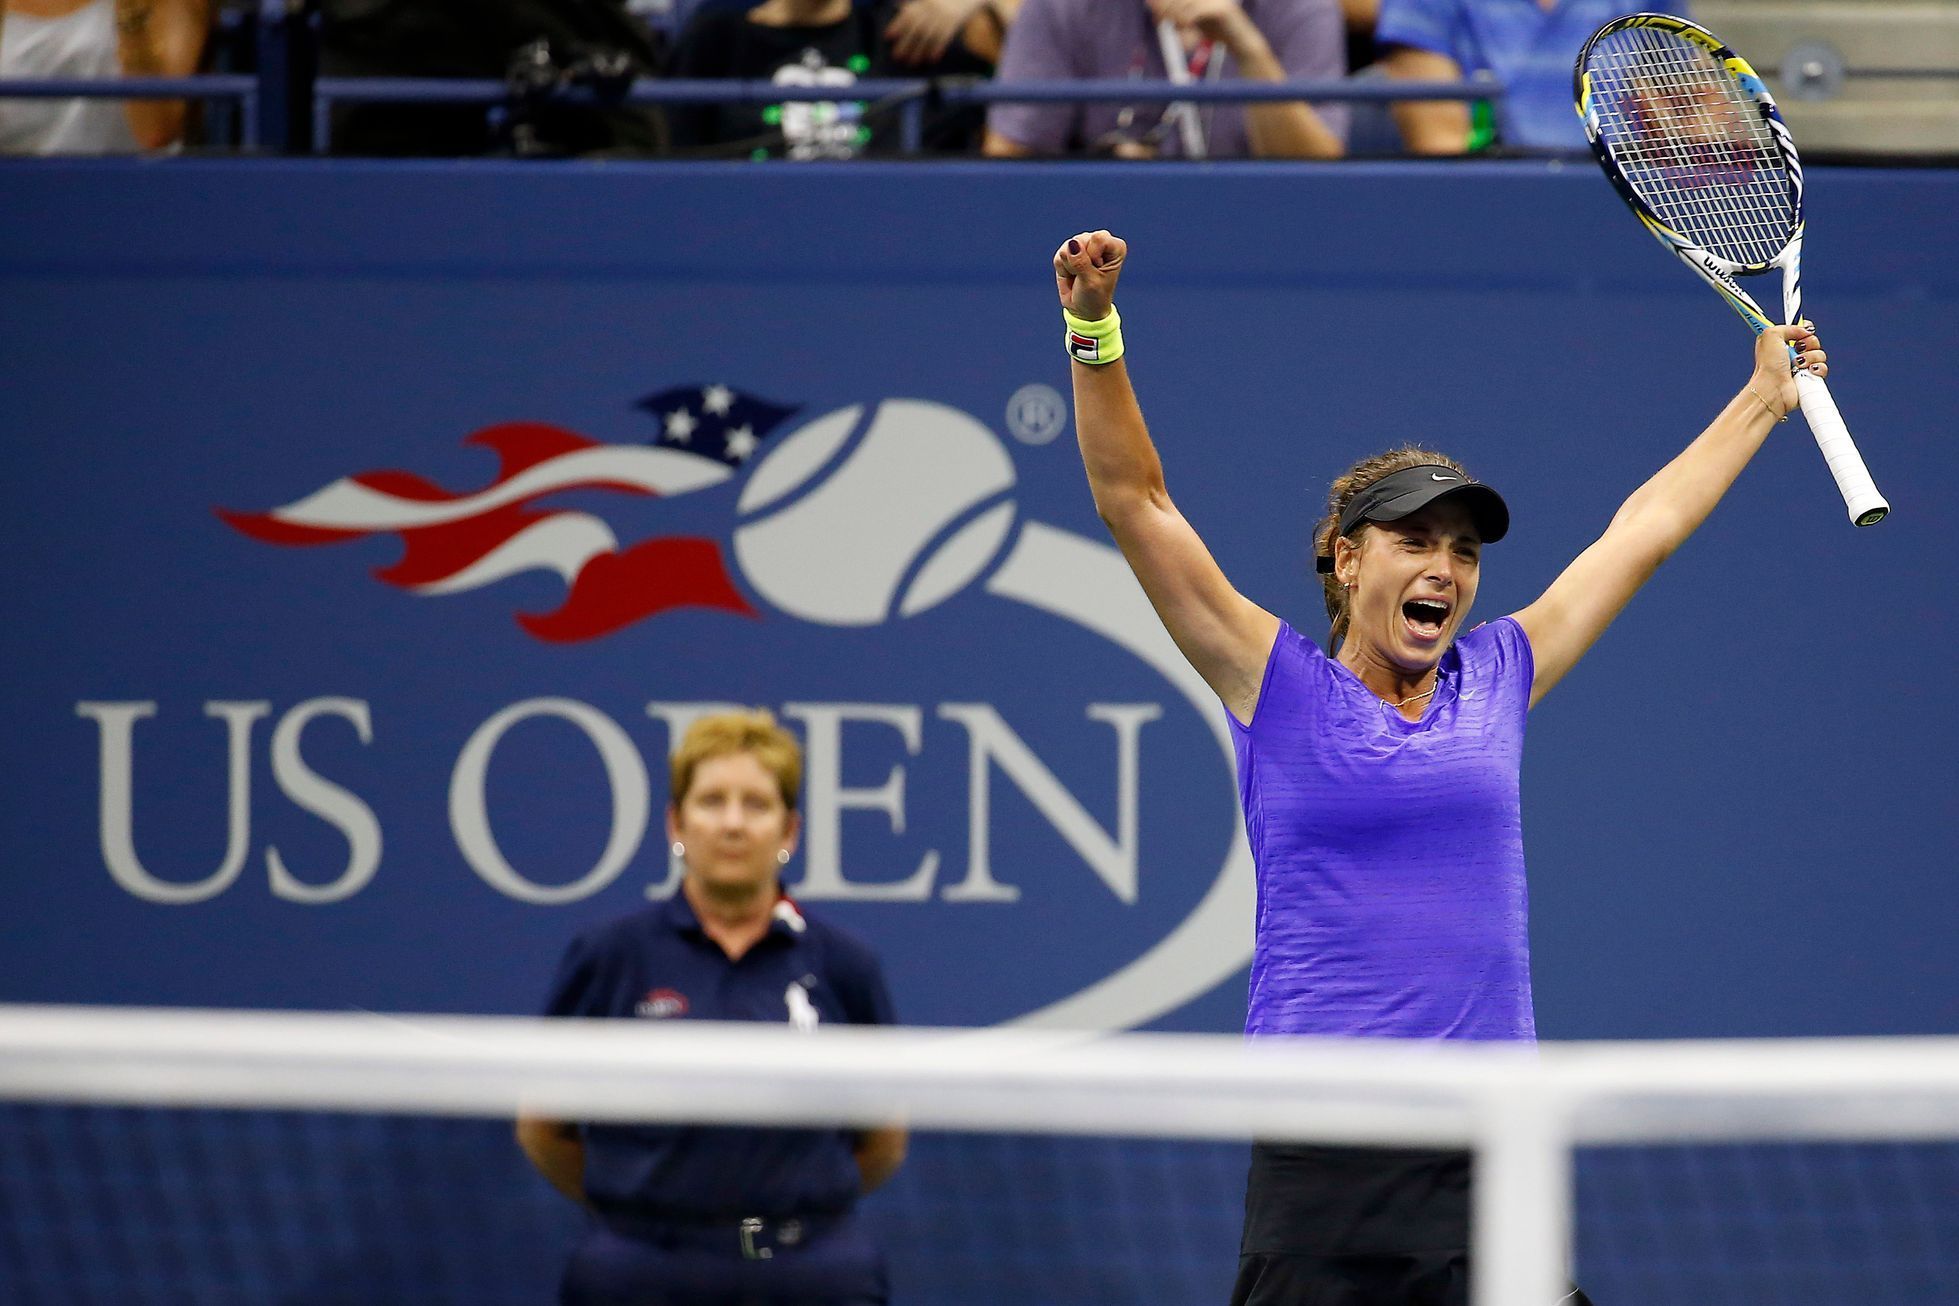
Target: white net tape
pixel 1692 144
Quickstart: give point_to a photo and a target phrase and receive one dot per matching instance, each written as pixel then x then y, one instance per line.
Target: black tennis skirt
pixel 1356 1226
pixel 1305 1199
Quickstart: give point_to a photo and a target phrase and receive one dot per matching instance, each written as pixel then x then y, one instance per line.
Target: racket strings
pixel 1693 145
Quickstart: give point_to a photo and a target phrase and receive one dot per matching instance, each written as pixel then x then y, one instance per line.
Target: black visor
pixel 1412 489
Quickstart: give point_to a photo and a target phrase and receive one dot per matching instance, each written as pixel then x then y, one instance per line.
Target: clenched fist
pixel 1085 271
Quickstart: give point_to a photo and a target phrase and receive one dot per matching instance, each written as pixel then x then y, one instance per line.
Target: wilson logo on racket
pixel 1719 273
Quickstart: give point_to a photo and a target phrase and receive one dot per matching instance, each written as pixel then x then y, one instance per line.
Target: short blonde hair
pixel 755 733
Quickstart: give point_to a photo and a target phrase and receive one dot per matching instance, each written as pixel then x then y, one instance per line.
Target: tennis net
pixel 151 1155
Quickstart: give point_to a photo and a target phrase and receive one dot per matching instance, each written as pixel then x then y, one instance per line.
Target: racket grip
pixel 1866 506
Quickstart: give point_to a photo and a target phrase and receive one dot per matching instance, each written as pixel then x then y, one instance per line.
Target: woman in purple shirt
pixel 1380 777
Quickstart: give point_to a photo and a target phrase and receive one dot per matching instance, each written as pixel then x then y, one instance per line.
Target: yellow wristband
pixel 1096 342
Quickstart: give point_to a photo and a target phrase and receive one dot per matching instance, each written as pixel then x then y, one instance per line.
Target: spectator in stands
pixel 923 32
pixel 1371 130
pixel 97 39
pixel 790 43
pixel 708 1216
pixel 1256 40
pixel 1360 17
pixel 917 36
pixel 1527 45
pixel 528 43
pixel 830 42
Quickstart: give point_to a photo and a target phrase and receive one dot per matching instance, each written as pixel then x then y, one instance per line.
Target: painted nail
pixel 1074 247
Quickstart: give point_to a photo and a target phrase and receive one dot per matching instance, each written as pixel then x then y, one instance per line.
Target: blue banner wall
pixel 1736 809
pixel 324 482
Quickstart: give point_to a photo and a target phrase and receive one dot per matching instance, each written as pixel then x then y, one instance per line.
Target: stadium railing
pixel 271 99
pixel 241 89
pixel 907 98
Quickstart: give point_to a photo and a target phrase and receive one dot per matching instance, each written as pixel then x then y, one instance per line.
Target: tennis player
pixel 1380 775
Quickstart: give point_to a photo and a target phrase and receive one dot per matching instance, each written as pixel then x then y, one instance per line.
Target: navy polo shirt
pixel 658 964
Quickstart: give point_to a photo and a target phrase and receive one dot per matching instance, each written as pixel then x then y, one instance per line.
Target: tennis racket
pixel 1694 144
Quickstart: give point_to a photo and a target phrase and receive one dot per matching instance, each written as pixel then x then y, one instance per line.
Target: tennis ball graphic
pixel 900 522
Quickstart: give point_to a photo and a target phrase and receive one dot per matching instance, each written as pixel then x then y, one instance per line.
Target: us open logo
pixel 870 521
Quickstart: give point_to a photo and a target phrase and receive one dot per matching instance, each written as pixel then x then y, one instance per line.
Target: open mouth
pixel 1425 617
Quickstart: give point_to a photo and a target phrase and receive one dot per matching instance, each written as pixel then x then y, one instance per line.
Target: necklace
pixel 1414 697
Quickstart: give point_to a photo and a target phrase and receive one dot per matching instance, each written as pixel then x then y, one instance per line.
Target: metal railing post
pixel 288 63
pixel 911 125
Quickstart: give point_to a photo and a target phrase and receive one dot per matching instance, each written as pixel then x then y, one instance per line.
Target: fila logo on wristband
pixel 1096 342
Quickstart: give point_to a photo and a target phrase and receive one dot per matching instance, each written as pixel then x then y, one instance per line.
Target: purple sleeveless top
pixel 1390 852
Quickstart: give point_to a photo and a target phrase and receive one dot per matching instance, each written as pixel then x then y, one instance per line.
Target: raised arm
pixel 1226 636
pixel 1661 514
